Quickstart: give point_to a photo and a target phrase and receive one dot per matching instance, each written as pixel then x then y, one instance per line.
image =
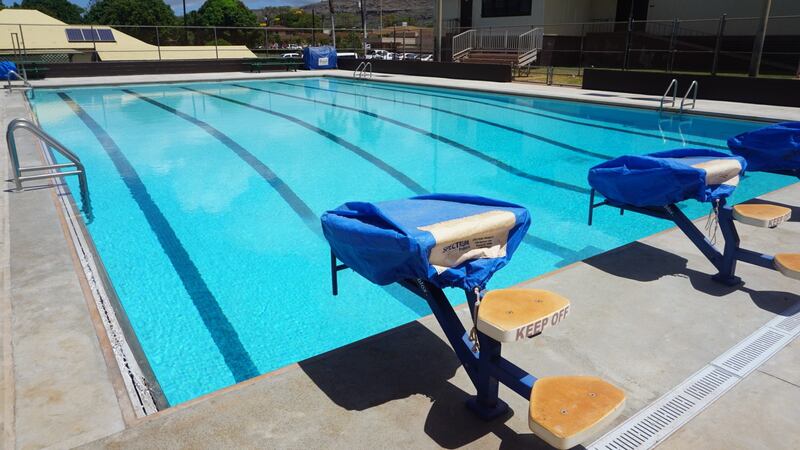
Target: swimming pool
pixel 206 199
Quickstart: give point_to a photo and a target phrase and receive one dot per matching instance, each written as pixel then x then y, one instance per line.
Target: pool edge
pixel 130 372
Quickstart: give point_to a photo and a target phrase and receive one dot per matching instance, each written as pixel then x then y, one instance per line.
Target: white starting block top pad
pixel 566 411
pixel 718 171
pixel 509 315
pixel 788 264
pixel 765 216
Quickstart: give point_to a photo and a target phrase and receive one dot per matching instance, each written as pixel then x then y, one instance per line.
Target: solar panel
pixel 90 35
pixel 74 35
pixel 106 35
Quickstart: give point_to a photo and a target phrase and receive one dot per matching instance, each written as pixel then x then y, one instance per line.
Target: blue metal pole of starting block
pixel 486 368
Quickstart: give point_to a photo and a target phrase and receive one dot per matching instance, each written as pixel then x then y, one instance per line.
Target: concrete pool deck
pixel 646 316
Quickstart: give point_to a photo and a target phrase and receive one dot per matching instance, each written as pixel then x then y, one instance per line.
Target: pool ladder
pixel 361 71
pixel 673 86
pixel 18 171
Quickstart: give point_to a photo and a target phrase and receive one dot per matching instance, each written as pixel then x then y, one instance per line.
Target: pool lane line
pixel 469 150
pixel 219 327
pixel 377 162
pixel 533 241
pixel 538 114
pixel 537 137
pixel 289 196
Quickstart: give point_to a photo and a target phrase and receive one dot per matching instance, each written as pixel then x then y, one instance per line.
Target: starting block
pixel 431 242
pixel 653 184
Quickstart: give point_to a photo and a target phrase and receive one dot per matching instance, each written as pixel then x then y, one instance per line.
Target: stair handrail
pixel 692 87
pixel 528 45
pixel 463 43
pixel 17 170
pixel 673 85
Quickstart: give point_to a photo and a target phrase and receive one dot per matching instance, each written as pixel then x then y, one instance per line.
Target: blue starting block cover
pixel 450 240
pixel 772 148
pixel 319 57
pixel 5 68
pixel 663 178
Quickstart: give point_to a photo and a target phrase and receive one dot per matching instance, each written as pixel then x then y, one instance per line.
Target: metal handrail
pixel 75 162
pixel 694 86
pixel 361 71
pixel 359 68
pixel 674 86
pixel 25 81
pixel 463 43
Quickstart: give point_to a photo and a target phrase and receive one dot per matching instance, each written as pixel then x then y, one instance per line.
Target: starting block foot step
pixel 508 315
pixel 788 264
pixel 569 410
pixel 759 215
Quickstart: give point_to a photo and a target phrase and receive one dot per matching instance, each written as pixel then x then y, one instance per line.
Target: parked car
pixel 378 54
pixel 410 56
pixel 346 55
pixel 291 55
pixel 426 58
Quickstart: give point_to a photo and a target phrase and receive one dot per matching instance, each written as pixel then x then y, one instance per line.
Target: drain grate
pixel 663 417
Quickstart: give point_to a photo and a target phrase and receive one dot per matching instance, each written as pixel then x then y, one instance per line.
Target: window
pixel 89 35
pixel 505 8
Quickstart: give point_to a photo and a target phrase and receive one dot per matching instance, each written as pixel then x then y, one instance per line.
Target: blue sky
pixel 191 5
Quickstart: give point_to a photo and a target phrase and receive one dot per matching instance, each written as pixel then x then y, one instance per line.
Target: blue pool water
pixel 206 200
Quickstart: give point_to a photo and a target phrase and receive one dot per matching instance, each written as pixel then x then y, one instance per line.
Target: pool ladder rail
pixel 25 83
pixel 363 71
pixel 692 88
pixel 53 169
pixel 673 87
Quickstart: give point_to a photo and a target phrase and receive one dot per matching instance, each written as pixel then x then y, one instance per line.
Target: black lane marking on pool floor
pixel 377 162
pixel 289 196
pixel 550 247
pixel 538 114
pixel 474 152
pixel 501 126
pixel 219 327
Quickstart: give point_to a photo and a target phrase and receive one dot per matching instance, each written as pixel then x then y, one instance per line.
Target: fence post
pixel 216 46
pixel 94 43
pixel 758 44
pixel 672 40
pixel 158 43
pixel 627 43
pixel 718 45
pixel 580 52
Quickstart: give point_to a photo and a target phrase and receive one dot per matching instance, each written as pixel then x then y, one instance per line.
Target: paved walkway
pixel 645 317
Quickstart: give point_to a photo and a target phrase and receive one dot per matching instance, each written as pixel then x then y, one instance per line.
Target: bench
pixel 289 64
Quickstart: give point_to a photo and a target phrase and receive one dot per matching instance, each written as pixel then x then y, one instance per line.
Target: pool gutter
pixel 138 378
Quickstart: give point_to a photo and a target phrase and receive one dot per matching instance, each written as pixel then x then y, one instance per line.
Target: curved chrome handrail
pixel 674 86
pixel 358 69
pixel 694 86
pixel 25 81
pixel 75 161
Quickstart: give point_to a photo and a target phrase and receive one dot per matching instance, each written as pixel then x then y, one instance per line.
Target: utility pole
pixel 363 5
pixel 758 44
pixel 333 22
pixel 313 27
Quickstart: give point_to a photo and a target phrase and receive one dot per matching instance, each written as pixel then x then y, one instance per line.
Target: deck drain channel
pixel 655 423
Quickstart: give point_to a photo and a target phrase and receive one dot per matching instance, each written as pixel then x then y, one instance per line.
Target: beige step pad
pixel 509 315
pixel 567 411
pixel 788 264
pixel 758 215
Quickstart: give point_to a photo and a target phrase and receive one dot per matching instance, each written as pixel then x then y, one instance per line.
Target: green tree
pixel 226 13
pixel 62 10
pixel 130 12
